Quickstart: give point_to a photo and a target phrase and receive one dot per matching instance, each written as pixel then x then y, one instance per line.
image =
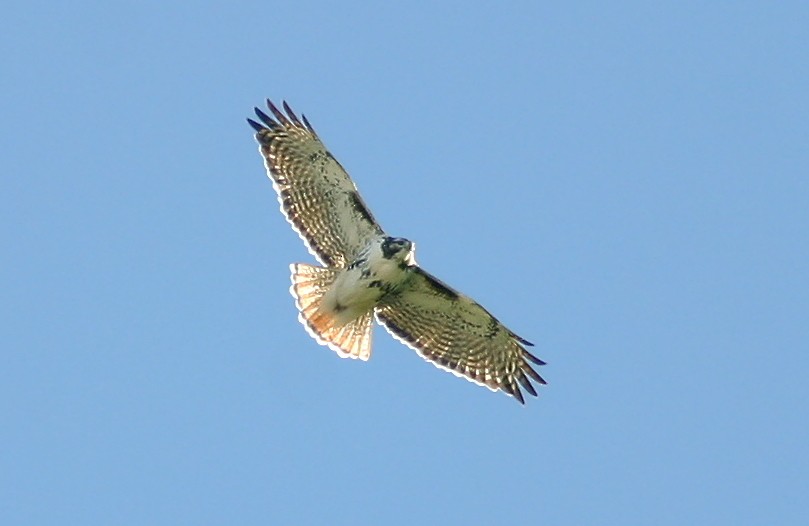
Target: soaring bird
pixel 367 274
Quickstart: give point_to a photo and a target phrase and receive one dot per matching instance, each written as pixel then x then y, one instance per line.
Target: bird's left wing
pixel 317 196
pixel 456 334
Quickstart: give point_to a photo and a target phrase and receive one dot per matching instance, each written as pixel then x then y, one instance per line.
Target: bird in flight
pixel 367 274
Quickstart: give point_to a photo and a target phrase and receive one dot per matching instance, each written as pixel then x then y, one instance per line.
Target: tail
pixel 309 285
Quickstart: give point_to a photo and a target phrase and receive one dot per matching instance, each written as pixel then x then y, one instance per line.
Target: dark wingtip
pixel 509 387
pixel 533 358
pixel 527 369
pixel 266 119
pixel 291 114
pixel 308 126
pixel 256 126
pixel 278 113
pixel 526 383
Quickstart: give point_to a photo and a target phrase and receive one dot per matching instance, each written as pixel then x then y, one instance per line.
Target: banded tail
pixel 309 286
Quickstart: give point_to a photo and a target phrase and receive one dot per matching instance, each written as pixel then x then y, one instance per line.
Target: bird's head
pixel 397 248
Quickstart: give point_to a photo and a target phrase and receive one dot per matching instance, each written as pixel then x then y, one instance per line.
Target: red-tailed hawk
pixel 369 274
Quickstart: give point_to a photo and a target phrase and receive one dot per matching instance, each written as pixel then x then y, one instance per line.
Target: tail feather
pixel 309 285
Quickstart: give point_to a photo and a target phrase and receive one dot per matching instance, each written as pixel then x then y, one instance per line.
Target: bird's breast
pixel 360 288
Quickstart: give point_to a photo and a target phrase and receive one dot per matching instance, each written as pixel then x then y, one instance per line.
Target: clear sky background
pixel 623 183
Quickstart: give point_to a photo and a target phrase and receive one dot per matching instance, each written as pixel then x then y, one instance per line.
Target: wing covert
pixel 316 194
pixel 456 334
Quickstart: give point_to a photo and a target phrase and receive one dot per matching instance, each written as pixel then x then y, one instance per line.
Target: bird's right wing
pixel 317 196
pixel 456 334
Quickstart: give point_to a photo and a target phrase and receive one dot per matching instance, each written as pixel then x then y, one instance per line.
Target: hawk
pixel 367 274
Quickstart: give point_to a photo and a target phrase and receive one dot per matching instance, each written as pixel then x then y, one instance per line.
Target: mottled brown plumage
pixel 367 273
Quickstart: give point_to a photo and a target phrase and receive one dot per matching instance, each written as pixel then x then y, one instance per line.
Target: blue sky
pixel 625 184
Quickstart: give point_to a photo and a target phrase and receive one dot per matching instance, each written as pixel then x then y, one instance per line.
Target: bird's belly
pixel 350 297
